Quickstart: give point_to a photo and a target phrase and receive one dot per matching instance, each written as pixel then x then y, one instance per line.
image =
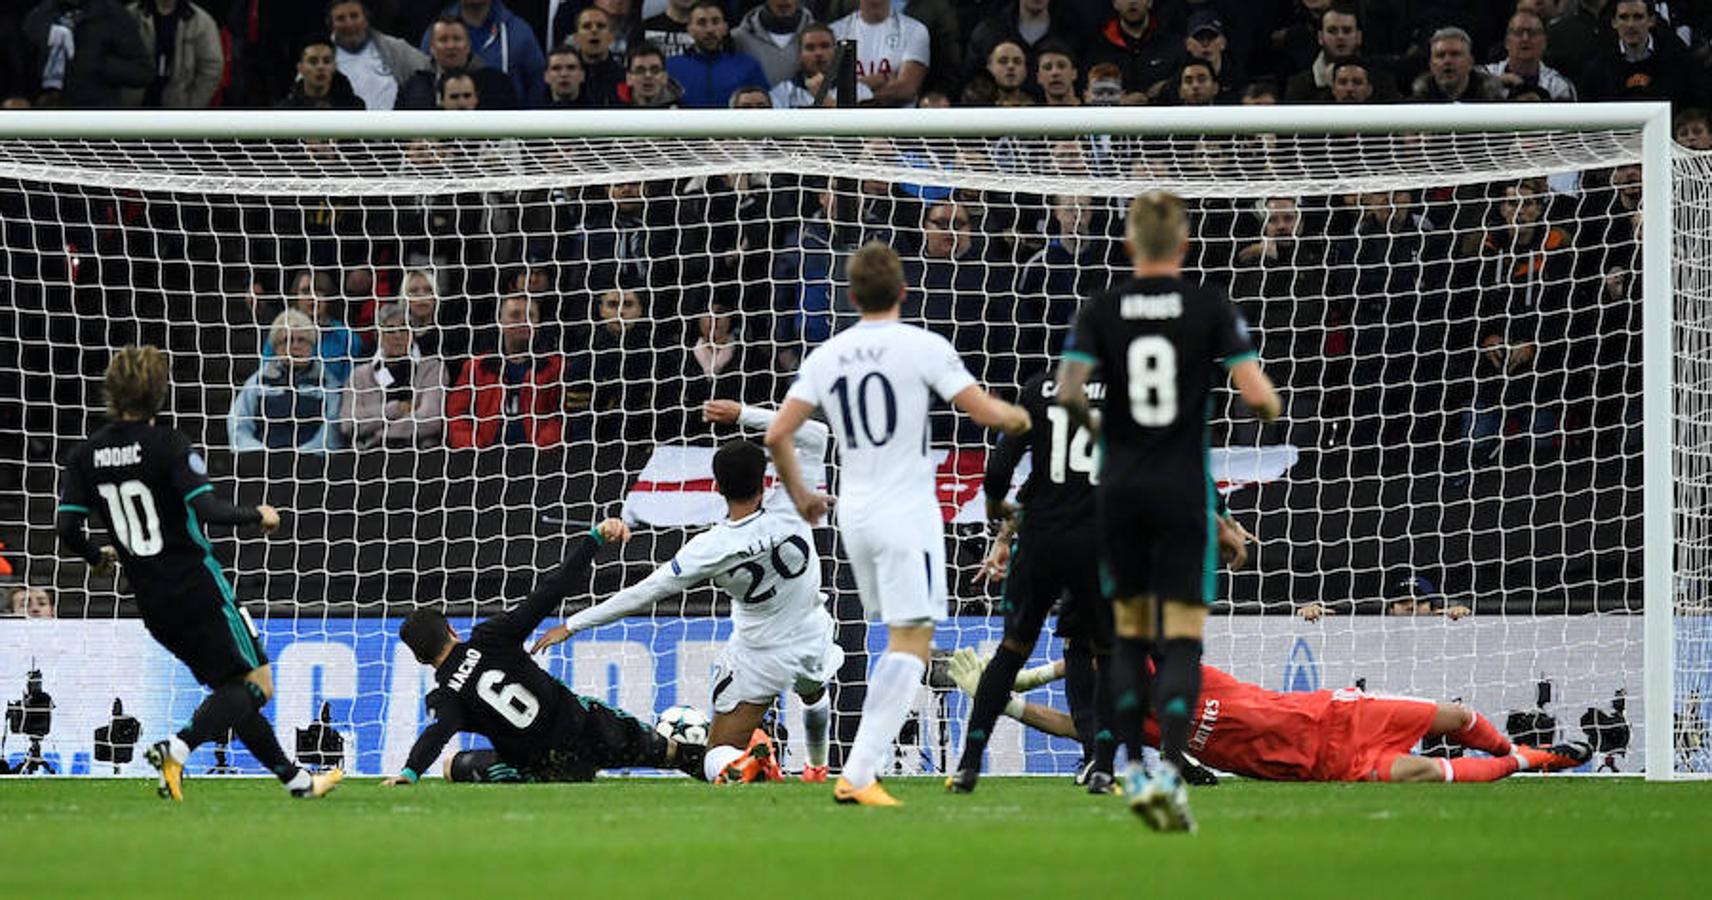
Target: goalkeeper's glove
pixel 965 668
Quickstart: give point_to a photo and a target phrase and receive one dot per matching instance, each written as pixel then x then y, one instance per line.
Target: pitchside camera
pixel 1534 727
pixel 116 741
pixel 1608 733
pixel 32 714
pixel 32 717
pixel 319 746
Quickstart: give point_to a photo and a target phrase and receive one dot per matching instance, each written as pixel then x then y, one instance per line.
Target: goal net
pixel 516 337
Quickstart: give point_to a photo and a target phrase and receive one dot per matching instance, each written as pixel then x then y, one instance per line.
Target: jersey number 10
pixel 886 415
pixel 131 513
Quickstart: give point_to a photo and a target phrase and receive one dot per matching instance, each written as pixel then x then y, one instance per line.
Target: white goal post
pixel 1233 156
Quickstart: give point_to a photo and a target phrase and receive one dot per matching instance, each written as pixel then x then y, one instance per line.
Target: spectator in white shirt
pixel 892 51
pixel 376 64
pixel 1524 47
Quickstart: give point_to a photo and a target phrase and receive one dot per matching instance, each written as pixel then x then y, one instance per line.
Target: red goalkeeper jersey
pixel 1340 735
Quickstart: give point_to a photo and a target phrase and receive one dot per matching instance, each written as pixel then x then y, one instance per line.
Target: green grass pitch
pixel 1553 838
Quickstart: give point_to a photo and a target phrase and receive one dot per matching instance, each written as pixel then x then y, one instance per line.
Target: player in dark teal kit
pixel 1159 344
pixel 540 730
pixel 149 487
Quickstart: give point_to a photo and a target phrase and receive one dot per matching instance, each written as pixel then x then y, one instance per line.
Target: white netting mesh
pixel 1692 261
pixel 1454 320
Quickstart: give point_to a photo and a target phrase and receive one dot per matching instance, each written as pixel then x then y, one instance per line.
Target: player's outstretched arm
pixel 669 580
pixel 519 623
pixel 212 510
pixel 811 437
pixel 1256 390
pixel 1072 378
pixel 989 411
pixel 448 721
pixel 781 437
pixel 965 670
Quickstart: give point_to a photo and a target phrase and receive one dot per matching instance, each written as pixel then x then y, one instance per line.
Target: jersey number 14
pixel 1072 451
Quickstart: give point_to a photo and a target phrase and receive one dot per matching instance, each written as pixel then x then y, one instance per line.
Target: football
pixel 685 724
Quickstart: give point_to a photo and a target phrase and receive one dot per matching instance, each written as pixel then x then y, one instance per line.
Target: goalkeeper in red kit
pixel 1341 735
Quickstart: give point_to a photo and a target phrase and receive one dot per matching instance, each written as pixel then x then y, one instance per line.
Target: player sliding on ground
pixel 1158 341
pixel 1342 735
pixel 762 556
pixel 154 497
pixel 877 380
pixel 539 729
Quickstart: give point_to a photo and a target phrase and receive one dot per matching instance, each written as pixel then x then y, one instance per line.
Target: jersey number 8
pixel 131 512
pixel 513 701
pixel 1152 366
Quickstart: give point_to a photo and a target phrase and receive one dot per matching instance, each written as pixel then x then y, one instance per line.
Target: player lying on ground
pixel 1055 554
pixel 489 685
pixel 762 556
pixel 1163 342
pixel 155 498
pixel 877 380
pixel 1341 735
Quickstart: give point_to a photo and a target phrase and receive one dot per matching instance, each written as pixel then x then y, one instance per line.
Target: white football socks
pixel 892 689
pixel 300 782
pixel 817 718
pixel 180 751
pixel 717 759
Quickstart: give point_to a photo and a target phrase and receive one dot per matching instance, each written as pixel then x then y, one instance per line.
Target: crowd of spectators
pixel 1463 324
pixel 387 54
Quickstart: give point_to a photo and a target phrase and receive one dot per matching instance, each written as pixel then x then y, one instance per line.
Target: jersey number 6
pixel 513 701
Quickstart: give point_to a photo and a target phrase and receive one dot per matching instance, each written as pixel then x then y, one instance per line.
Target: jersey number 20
pixel 131 511
pixel 1152 363
pixel 781 565
pixel 513 701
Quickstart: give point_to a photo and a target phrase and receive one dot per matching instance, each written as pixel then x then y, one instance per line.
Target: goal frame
pixel 1652 119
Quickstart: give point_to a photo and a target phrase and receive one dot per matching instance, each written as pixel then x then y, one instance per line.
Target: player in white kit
pixel 762 556
pixel 877 380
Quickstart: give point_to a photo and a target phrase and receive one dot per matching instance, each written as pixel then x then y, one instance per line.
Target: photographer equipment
pixel 1534 727
pixel 319 746
pixel 116 741
pixel 223 756
pixel 32 717
pixel 1608 732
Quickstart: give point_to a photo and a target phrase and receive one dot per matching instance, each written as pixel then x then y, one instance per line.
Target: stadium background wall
pixel 378 533
pixel 374 689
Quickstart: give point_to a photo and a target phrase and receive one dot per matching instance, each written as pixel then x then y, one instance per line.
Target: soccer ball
pixel 684 724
